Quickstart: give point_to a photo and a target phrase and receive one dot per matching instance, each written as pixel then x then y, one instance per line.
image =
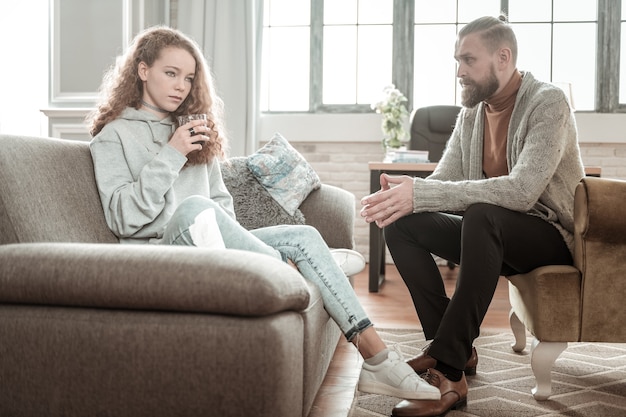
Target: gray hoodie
pixel 141 179
pixel 542 155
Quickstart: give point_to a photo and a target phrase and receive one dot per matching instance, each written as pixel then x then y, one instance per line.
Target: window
pixel 557 42
pixel 337 55
pixel 357 50
pixel 435 27
pixel 286 55
pixel 356 53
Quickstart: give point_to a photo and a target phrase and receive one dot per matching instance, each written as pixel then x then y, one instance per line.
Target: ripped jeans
pixel 301 244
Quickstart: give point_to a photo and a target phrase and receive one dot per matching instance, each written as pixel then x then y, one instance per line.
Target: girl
pixel 158 186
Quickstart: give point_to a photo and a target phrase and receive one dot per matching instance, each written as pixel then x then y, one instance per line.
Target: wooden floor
pixel 391 307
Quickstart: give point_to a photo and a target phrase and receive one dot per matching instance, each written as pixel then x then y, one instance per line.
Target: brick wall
pixel 610 156
pixel 345 165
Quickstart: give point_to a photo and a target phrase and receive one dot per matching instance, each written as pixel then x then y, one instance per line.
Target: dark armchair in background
pixel 431 127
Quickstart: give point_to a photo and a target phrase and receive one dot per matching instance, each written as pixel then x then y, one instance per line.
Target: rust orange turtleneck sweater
pixel 498 110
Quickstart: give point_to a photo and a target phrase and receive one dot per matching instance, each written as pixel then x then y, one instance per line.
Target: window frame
pixel 402 38
pixel 608 57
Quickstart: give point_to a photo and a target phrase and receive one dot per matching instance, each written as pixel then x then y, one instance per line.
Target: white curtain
pixel 229 31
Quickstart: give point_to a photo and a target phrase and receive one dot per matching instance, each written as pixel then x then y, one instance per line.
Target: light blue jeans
pixel 301 244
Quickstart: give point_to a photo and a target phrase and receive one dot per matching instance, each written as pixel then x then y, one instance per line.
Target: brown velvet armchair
pixel 558 304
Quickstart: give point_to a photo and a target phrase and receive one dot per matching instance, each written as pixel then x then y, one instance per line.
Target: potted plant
pixel 393 109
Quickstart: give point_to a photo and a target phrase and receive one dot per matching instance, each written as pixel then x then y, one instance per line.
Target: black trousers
pixel 486 241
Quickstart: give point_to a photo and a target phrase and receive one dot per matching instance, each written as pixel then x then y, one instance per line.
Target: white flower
pixel 394 113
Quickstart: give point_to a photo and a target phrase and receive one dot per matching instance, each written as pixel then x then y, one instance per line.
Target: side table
pixel 377 241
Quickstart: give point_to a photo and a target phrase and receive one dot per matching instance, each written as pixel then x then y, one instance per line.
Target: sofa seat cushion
pixel 547 301
pixel 150 277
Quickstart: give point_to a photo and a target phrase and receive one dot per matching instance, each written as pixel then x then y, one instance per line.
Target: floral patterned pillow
pixel 284 173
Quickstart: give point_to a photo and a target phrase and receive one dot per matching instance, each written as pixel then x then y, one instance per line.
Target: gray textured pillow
pixel 254 206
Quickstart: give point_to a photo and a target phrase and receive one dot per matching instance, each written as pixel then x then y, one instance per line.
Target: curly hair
pixel 121 88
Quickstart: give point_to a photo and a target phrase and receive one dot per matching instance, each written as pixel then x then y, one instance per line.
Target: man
pixel 500 202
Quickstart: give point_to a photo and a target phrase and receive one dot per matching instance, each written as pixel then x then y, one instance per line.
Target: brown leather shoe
pixel 422 362
pixel 453 396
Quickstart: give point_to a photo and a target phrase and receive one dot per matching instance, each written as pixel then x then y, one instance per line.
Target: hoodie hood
pixel 151 120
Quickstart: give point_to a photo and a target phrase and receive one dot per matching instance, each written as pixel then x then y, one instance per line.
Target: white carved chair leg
pixel 542 358
pixel 519 332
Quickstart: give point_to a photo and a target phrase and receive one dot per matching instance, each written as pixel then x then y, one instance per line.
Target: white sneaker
pixel 351 262
pixel 396 378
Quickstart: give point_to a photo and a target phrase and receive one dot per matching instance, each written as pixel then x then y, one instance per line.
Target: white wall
pixel 24 67
pixel 592 127
pixel 601 127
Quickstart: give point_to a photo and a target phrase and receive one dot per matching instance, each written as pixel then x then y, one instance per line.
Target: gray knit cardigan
pixel 543 158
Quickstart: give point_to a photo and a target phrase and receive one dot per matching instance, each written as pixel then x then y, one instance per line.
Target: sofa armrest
pixel 331 210
pixel 149 277
pixel 600 247
pixel 599 210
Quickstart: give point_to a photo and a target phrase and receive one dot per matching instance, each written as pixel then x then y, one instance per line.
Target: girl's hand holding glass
pixel 191 134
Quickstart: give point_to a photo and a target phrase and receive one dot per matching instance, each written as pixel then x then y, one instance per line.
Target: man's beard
pixel 474 92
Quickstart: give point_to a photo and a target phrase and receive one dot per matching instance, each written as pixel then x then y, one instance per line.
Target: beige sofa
pixel 90 327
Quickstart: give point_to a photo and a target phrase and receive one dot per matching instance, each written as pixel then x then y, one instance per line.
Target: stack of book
pixel 407 156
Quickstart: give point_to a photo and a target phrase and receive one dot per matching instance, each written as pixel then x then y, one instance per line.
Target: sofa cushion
pixel 48 192
pixel 150 277
pixel 254 206
pixel 285 173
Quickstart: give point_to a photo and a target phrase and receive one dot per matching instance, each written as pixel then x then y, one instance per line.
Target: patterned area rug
pixel 588 380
